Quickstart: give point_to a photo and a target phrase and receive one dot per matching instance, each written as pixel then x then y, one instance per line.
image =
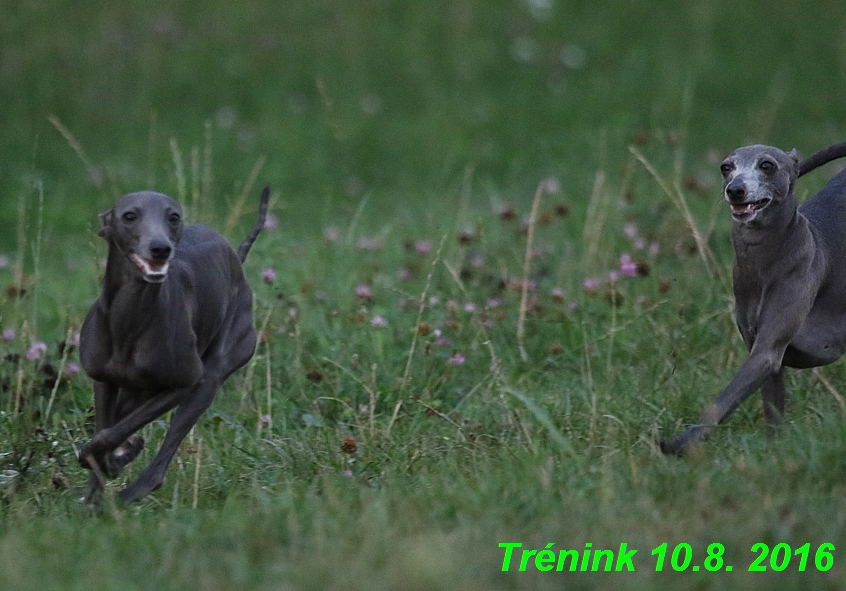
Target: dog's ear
pixel 106 224
pixel 794 157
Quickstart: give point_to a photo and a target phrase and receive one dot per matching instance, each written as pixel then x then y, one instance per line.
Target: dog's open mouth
pixel 154 271
pixel 742 210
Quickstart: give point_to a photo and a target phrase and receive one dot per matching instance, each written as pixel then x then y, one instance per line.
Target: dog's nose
pixel 735 191
pixel 160 250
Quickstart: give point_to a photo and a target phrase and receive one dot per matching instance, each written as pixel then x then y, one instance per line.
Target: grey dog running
pixel 174 320
pixel 789 278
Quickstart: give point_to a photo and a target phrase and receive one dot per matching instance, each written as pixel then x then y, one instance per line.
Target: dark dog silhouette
pixel 174 320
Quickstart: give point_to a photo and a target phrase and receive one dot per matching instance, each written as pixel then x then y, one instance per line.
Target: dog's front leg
pixel 763 365
pixel 109 438
pixel 187 415
pixel 105 396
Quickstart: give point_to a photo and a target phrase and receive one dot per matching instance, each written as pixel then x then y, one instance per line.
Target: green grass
pixel 383 125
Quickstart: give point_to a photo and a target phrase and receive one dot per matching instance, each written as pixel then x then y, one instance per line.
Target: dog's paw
pixel 673 447
pixel 96 448
pixel 89 460
pixel 93 502
pixel 125 453
pixel 681 445
pixel 139 489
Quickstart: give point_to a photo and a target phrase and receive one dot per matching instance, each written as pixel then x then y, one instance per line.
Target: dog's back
pixel 827 211
pixel 210 259
pixel 206 266
pixel 825 325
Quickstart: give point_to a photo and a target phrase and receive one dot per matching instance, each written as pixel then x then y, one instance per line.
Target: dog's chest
pixel 750 293
pixel 145 347
pixel 748 313
pixel 149 361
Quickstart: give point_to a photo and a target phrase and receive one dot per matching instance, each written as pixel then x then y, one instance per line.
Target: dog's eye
pixel 129 216
pixel 767 166
pixel 174 218
pixel 726 169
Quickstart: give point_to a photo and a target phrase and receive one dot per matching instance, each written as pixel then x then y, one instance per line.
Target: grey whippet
pixel 174 320
pixel 789 277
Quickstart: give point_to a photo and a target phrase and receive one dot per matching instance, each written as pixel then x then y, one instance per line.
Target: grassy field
pixel 455 354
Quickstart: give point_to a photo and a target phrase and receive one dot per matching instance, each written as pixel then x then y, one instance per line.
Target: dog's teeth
pixel 153 271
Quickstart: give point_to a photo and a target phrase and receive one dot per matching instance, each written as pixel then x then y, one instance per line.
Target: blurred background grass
pixel 382 127
pixel 345 97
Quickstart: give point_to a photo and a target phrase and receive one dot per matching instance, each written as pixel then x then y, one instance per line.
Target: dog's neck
pixel 122 275
pixel 774 230
pixel 134 308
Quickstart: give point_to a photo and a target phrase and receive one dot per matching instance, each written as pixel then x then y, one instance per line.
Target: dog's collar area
pixel 152 271
pixel 741 211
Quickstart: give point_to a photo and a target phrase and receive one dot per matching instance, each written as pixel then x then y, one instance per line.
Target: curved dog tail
pixel 824 156
pixel 244 249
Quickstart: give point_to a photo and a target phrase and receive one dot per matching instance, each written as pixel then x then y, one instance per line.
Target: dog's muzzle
pixel 153 271
pixel 738 199
pixel 745 210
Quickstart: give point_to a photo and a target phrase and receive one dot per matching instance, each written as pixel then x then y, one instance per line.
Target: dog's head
pixel 145 227
pixel 756 179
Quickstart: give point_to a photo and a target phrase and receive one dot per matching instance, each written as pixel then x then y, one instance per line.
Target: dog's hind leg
pixel 186 416
pixel 773 393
